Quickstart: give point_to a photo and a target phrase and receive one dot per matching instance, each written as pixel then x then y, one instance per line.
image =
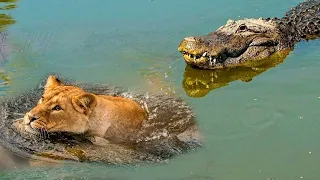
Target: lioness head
pixel 60 108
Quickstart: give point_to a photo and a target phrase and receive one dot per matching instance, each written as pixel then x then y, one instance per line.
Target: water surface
pixel 265 128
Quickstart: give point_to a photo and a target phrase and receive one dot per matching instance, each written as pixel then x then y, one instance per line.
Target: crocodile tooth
pixel 210 63
pixel 204 54
pixel 214 60
pixel 210 58
pixel 194 58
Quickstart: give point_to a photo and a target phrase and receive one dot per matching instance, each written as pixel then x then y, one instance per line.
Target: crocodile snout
pixel 188 44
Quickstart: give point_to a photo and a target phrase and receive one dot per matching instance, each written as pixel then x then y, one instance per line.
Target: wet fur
pixel 101 118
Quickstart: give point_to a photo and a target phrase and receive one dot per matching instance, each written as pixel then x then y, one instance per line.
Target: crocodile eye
pixel 56 108
pixel 242 27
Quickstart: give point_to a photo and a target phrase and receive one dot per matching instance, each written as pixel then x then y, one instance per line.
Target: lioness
pixel 101 118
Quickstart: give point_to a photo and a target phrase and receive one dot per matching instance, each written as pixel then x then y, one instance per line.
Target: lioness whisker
pixel 43 134
pixel 46 134
pixel 40 133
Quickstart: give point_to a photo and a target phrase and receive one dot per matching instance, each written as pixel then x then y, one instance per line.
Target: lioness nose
pixel 32 118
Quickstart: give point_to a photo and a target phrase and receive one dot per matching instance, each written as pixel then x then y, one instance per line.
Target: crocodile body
pixel 247 40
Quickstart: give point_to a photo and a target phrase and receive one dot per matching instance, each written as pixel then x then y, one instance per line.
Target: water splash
pixel 169 130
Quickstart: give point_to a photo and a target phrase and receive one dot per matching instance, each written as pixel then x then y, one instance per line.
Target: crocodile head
pixel 233 44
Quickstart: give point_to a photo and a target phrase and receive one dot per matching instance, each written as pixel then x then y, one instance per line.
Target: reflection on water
pixel 5 21
pixel 8 5
pixel 5 18
pixel 4 80
pixel 8 160
pixel 198 83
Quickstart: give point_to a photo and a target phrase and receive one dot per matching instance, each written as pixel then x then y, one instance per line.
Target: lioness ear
pixel 52 82
pixel 84 103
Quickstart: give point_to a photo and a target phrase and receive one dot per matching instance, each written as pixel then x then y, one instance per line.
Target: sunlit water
pixel 267 128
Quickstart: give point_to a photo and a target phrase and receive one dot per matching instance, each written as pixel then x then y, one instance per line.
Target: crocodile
pixel 239 42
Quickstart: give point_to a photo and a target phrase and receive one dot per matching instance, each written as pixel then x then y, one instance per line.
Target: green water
pixel 266 128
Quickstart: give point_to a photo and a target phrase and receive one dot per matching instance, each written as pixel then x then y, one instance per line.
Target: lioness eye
pixel 57 108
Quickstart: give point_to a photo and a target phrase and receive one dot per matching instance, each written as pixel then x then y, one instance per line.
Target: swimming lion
pixel 101 118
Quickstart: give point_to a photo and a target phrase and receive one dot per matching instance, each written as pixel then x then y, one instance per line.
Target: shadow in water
pixel 198 83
